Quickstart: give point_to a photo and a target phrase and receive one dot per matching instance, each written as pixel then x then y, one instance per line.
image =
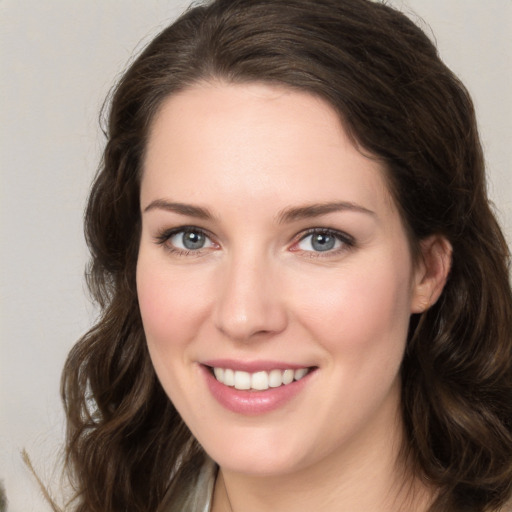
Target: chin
pixel 259 455
pixel 258 465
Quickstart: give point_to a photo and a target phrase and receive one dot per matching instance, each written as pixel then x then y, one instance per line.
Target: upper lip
pixel 253 366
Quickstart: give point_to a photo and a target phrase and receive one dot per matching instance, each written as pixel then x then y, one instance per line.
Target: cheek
pixel 360 310
pixel 169 304
pixel 172 305
pixel 157 305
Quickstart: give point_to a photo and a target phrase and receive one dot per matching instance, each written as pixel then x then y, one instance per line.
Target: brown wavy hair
pixel 126 444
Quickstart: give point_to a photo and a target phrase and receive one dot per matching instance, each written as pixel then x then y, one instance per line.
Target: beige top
pixel 196 498
pixel 199 497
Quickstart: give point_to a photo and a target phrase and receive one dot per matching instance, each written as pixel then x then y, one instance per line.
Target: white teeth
pixel 300 373
pixel 275 378
pixel 229 377
pixel 242 380
pixel 259 381
pixel 288 376
pixel 219 374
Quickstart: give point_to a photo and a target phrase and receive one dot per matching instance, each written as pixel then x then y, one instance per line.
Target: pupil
pixel 323 242
pixel 193 240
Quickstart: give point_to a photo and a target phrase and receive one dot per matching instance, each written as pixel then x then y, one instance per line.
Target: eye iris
pixel 322 242
pixel 193 240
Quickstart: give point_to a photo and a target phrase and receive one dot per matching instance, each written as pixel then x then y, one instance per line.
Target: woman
pixel 305 295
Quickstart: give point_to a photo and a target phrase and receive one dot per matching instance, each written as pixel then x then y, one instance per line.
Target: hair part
pixel 126 443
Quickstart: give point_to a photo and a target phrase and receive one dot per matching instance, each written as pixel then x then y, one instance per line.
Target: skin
pixel 258 290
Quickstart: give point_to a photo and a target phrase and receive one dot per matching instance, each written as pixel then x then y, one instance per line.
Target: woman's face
pixel 272 255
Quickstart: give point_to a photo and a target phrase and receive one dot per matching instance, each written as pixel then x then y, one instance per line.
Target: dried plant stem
pixel 26 459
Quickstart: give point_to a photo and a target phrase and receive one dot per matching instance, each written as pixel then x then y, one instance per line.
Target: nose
pixel 250 302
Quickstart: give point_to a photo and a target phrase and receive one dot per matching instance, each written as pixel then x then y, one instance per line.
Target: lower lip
pixel 251 402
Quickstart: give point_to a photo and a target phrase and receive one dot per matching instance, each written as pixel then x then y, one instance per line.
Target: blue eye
pixel 323 241
pixel 188 239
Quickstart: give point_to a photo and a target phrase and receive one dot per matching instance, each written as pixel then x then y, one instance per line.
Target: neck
pixel 368 476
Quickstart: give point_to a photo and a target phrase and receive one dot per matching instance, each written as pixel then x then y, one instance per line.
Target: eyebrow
pixel 291 214
pixel 318 209
pixel 180 208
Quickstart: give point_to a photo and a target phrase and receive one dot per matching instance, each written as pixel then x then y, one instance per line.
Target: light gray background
pixel 58 59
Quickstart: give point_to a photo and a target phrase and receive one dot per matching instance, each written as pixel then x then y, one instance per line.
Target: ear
pixel 431 272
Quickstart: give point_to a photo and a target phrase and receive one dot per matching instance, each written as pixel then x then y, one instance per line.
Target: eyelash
pixel 347 241
pixel 164 237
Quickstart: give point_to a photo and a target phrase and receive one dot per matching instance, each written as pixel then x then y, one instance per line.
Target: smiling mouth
pixel 258 381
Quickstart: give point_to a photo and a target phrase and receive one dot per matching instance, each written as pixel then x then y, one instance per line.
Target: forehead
pixel 277 143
